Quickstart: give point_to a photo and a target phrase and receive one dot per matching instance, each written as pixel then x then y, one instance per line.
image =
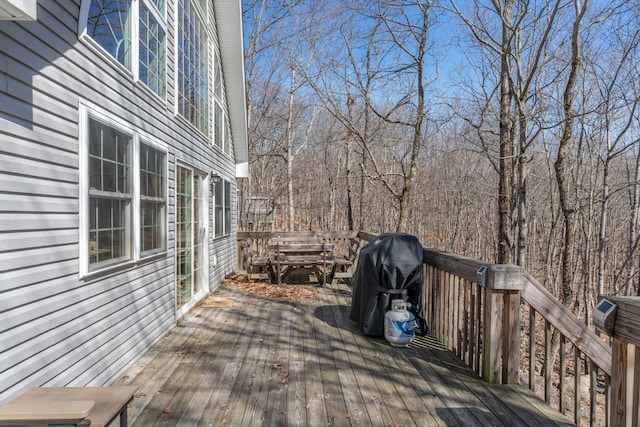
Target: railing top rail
pixel 567 323
pixel 347 234
pixel 494 276
pixel 511 277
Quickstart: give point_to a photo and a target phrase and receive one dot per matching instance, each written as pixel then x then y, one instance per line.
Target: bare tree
pixel 617 115
pixel 561 166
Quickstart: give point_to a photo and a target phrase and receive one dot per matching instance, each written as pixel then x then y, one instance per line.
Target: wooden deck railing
pixel 503 324
pixel 487 320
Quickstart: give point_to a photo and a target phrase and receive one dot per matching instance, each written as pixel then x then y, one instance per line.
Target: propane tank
pixel 399 324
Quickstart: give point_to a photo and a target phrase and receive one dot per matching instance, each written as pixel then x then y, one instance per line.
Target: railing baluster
pixel 473 331
pixel 593 393
pixel 563 368
pixel 547 360
pixel 578 389
pixel 532 348
pixel 479 334
pixel 465 321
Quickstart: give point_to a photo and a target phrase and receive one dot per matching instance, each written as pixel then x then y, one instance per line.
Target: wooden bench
pixel 292 253
pixel 69 406
pixel 256 265
pixel 260 268
pixel 344 266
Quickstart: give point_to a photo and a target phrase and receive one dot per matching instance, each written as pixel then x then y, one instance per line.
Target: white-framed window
pixel 133 32
pixel 222 134
pixel 192 49
pixel 123 184
pixel 153 199
pixel 222 210
pixel 110 193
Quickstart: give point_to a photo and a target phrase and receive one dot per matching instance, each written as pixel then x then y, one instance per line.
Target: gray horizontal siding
pixel 37 256
pixel 16 241
pixel 57 329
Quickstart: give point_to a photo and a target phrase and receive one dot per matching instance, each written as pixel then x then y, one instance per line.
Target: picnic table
pixel 287 255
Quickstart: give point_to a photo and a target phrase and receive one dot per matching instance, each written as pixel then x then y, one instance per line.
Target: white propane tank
pixel 399 324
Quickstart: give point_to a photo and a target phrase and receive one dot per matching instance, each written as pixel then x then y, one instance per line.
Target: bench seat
pixel 69 406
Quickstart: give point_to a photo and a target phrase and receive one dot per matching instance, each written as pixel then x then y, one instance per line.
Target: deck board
pixel 266 362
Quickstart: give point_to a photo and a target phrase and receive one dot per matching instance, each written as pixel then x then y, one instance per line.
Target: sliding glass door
pixel 191 235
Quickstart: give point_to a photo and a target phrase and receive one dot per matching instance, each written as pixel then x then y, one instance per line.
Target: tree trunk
pixel 347 161
pixel 522 232
pixel 405 196
pixel 633 227
pixel 290 155
pixel 561 168
pixel 505 184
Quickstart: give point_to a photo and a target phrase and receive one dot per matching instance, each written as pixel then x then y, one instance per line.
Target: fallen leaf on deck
pixel 216 302
pixel 269 290
pixel 166 410
pixel 276 366
pixel 224 422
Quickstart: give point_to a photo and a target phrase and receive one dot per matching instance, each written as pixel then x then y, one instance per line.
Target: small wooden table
pixel 286 256
pixel 85 406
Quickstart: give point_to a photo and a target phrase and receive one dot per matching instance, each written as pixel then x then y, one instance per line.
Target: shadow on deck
pixel 283 363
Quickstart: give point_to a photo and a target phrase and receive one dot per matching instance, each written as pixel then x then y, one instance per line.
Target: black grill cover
pixel 389 267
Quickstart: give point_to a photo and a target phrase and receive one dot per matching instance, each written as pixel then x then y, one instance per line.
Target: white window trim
pixel 134 73
pixel 86 110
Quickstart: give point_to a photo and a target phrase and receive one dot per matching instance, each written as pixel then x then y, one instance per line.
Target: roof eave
pixel 230 37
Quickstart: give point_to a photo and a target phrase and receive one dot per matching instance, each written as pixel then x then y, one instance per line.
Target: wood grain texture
pixel 275 362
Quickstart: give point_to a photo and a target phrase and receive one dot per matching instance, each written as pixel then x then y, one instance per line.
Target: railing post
pixel 625 363
pixel 492 336
pixel 501 348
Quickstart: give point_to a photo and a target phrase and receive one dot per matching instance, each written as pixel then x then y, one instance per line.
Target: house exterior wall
pixel 58 326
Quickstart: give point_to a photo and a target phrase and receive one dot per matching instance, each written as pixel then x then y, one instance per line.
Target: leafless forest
pixel 502 130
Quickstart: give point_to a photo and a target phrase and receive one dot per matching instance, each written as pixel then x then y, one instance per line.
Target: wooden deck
pixel 270 362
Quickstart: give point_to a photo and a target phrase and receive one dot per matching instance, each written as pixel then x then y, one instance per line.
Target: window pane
pixel 109 221
pixel 184 236
pixel 219 210
pixel 109 24
pixel 193 85
pixel 109 157
pixel 152 226
pixel 218 125
pixel 152 212
pixel 160 4
pixel 152 174
pixel 227 207
pixel 152 52
pixel 218 78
